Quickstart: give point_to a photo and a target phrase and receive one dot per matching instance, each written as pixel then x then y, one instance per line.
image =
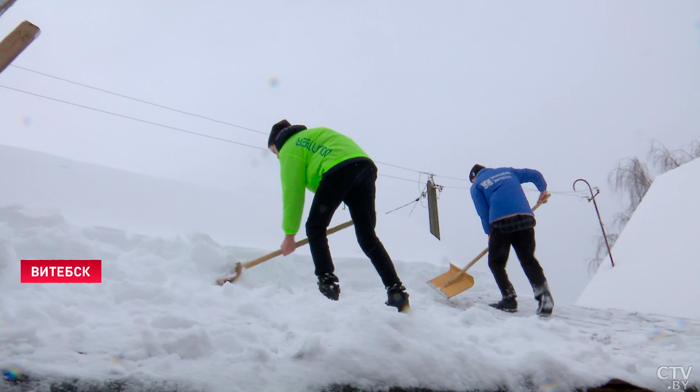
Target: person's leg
pixel 328 197
pixel 361 202
pixel 499 249
pixel 524 245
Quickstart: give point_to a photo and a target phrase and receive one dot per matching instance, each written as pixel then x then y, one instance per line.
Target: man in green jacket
pixel 337 170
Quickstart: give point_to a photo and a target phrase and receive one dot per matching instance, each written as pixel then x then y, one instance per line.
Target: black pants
pixel 354 185
pixel 523 241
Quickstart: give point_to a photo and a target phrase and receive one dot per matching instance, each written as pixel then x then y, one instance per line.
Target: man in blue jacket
pixel 509 221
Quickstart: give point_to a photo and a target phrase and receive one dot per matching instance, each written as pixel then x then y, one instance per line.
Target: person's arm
pixel 535 177
pixel 482 207
pixel 293 174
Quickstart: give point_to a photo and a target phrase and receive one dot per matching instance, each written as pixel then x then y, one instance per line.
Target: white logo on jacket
pixel 486 183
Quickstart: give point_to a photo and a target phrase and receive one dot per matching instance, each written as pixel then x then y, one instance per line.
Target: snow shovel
pixel 250 264
pixel 457 280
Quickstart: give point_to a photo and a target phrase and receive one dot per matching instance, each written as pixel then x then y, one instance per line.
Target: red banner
pixel 61 271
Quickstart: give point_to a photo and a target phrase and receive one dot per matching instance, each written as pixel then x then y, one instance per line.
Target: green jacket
pixel 304 158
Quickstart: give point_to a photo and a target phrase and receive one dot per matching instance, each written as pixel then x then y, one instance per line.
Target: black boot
pixel 507 304
pixel 397 297
pixel 328 286
pixel 544 297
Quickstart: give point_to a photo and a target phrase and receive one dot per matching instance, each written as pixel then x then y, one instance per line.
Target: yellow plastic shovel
pixel 457 280
pixel 250 264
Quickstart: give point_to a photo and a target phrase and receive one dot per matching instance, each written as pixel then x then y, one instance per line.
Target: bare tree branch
pixel 631 178
pixel 664 159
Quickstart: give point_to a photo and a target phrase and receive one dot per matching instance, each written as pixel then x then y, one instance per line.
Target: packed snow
pixel 158 316
pixel 657 258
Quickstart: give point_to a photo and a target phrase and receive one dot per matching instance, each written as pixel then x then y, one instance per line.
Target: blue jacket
pixel 497 193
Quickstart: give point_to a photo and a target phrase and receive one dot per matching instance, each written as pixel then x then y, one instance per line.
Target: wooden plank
pixel 16 42
pixel 5 4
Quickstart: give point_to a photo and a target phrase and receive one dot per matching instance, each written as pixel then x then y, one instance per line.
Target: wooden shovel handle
pixel 299 243
pixel 485 251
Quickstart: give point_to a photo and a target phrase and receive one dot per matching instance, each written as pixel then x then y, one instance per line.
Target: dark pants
pixel 523 241
pixel 353 184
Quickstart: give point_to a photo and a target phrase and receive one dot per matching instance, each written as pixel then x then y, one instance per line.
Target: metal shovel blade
pixel 452 282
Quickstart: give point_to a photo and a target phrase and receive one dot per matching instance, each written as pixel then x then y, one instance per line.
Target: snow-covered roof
pixel 657 256
pixel 158 317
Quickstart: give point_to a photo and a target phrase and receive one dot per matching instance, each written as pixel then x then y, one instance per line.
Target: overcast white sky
pixel 568 88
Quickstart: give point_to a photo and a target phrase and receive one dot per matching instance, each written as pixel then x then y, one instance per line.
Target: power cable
pixel 405 205
pixel 137 99
pixel 191 114
pixel 160 125
pixel 569 193
pixel 133 118
pixel 394 177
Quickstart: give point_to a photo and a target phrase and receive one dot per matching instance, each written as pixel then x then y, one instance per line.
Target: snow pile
pixel 89 194
pixel 158 317
pixel 657 257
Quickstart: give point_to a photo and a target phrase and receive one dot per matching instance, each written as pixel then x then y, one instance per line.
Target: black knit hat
pixel 276 129
pixel 475 171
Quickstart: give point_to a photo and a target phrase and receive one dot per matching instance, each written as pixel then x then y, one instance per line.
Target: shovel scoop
pixel 455 280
